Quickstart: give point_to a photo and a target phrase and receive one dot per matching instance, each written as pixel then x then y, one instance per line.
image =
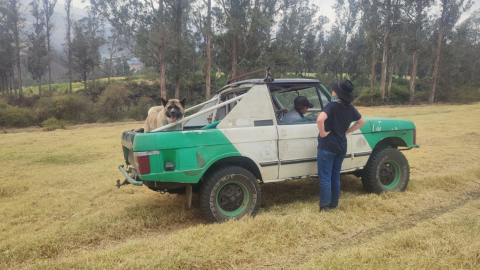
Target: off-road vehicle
pixel 237 141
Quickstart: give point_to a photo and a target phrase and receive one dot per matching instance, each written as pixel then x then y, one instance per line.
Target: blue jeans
pixel 329 165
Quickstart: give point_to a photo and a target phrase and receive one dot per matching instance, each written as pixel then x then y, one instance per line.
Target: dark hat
pixel 344 90
pixel 302 101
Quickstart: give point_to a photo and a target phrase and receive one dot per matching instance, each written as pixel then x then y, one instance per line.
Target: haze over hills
pixel 59 17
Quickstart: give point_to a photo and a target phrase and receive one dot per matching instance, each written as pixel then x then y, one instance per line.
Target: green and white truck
pixel 237 141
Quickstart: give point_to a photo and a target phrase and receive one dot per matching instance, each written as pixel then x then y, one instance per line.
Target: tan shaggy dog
pixel 171 111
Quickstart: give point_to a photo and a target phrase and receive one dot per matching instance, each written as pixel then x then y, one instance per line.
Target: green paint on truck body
pixel 377 129
pixel 191 152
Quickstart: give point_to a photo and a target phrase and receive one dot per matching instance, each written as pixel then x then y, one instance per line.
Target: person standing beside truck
pixel 333 124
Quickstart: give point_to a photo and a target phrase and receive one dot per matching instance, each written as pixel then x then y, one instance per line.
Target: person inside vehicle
pixel 300 107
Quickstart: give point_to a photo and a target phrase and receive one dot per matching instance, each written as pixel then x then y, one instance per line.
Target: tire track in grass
pixel 364 234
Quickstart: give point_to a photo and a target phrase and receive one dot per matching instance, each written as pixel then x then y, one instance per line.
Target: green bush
pixel 75 109
pixel 94 90
pixel 467 94
pixel 13 116
pixel 140 111
pixel 3 103
pixel 421 96
pixel 46 108
pixel 53 123
pixel 398 95
pixel 368 97
pixel 71 107
pixel 23 101
pixel 114 102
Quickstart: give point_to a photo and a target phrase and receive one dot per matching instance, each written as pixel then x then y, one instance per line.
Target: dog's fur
pixel 171 111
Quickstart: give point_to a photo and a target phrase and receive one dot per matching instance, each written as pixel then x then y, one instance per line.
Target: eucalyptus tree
pixel 177 18
pixel 48 10
pixel 142 24
pixel 416 11
pixel 16 22
pixel 68 40
pixel 244 32
pixel 87 39
pixel 208 39
pixel 371 19
pixel 346 20
pixel 37 52
pixel 451 10
pixel 6 49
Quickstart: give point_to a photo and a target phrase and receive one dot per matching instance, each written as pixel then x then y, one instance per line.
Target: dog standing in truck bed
pixel 171 111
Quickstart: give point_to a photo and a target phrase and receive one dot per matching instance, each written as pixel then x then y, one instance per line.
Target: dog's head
pixel 174 108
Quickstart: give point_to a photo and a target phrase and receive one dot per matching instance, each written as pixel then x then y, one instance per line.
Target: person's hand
pixel 326 134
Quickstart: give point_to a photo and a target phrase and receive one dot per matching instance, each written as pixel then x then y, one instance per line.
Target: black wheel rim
pixel 230 197
pixel 388 174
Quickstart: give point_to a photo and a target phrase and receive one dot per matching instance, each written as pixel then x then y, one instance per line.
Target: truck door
pixel 297 140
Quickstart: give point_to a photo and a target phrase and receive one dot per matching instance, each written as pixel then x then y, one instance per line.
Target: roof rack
pixel 268 76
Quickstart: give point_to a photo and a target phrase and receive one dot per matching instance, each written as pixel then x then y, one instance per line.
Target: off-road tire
pixel 387 169
pixel 222 182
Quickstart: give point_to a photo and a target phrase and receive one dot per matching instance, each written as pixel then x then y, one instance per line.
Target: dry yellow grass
pixel 59 208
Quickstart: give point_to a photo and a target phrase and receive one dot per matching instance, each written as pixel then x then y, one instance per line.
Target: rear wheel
pixel 386 170
pixel 230 192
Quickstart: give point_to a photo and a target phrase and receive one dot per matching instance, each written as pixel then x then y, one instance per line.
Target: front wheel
pixel 387 169
pixel 230 192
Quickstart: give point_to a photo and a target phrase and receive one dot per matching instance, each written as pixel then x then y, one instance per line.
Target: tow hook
pixel 128 178
pixel 125 182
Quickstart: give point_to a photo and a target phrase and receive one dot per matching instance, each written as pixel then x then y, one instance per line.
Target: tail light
pixel 415 137
pixel 142 160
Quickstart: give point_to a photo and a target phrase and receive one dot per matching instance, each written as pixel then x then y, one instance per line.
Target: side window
pixel 288 113
pixel 223 111
pixel 201 120
pixel 325 98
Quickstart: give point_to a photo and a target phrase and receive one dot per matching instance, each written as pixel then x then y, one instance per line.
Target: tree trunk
pixel 177 87
pixel 374 63
pixel 234 55
pixel 179 48
pixel 19 67
pixel 413 77
pixel 160 47
pixel 40 87
pixel 85 80
pixel 94 81
pixel 69 42
pixel 163 91
pixel 49 68
pixel 385 52
pixel 209 58
pixel 390 76
pixel 14 87
pixel 431 98
pixel 110 68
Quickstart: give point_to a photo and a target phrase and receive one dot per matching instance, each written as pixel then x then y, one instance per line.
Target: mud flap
pixel 188 192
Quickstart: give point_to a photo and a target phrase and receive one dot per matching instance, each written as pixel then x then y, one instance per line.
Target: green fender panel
pixel 377 129
pixel 191 152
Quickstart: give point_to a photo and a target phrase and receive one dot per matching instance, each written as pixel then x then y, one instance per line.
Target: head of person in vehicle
pixel 300 107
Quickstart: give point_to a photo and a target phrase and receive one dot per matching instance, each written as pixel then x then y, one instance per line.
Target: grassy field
pixel 59 208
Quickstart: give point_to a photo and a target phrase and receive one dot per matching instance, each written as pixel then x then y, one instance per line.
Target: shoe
pixel 326 209
pixel 332 207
